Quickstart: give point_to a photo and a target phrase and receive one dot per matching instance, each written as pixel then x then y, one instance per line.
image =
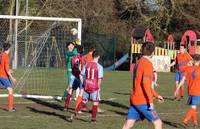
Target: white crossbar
pixel 40 18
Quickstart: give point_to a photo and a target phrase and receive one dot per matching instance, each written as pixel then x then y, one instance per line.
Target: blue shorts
pixel 193 100
pixel 75 82
pixel 139 112
pixel 94 96
pixel 179 75
pixel 5 82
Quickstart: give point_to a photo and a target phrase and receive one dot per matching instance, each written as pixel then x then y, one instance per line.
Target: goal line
pixel 33 96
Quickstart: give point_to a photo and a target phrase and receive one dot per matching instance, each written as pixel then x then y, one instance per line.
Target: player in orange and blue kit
pixel 141 99
pixel 5 75
pixel 182 60
pixel 193 80
pixel 92 74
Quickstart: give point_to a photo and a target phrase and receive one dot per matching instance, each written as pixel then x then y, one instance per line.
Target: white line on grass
pixel 31 102
pixel 88 116
pixel 106 99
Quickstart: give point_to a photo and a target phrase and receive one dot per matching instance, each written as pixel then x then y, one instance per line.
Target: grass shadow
pixel 114 104
pixel 121 93
pixel 119 113
pixel 173 124
pixel 168 98
pixel 47 113
pixel 4 109
pixel 47 104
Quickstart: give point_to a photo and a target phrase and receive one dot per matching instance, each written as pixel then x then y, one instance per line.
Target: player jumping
pixel 71 51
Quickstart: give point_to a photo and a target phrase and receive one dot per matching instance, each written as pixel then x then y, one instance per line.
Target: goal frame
pixel 15 60
pixel 16 18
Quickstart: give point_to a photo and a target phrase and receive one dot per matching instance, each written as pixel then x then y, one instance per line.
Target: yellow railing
pixel 136 48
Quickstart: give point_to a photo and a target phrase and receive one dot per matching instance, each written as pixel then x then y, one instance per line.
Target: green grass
pixel 46 114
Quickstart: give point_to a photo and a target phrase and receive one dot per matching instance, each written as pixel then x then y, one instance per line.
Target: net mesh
pixel 41 47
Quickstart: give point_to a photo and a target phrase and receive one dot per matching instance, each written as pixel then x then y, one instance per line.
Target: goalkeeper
pixel 71 51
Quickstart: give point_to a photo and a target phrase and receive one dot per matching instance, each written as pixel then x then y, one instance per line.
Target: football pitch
pixel 115 91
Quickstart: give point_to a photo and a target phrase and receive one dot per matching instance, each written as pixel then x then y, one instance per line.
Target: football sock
pixel 80 106
pixel 67 100
pixel 94 112
pixel 188 115
pixel 79 99
pixel 194 117
pixel 65 94
pixel 10 100
pixel 182 91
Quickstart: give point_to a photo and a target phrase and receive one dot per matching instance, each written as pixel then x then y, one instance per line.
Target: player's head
pixel 182 48
pixel 196 59
pixel 6 47
pixel 96 55
pixel 79 49
pixel 91 49
pixel 70 46
pixel 148 48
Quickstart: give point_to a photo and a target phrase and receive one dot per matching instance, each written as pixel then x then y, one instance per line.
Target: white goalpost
pixel 38 56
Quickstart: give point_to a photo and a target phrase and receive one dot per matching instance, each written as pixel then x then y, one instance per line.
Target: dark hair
pixel 68 43
pixel 6 46
pixel 91 49
pixel 95 54
pixel 148 48
pixel 79 49
pixel 183 45
pixel 196 57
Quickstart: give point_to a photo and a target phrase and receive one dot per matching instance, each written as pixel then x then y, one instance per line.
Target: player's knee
pixel 70 90
pixel 81 92
pixel 96 103
pixel 10 90
pixel 194 107
pixel 158 123
pixel 128 124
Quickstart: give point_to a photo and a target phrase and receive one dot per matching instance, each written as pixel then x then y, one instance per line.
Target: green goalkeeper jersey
pixel 68 57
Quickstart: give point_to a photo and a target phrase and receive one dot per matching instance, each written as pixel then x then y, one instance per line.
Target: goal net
pixel 38 52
